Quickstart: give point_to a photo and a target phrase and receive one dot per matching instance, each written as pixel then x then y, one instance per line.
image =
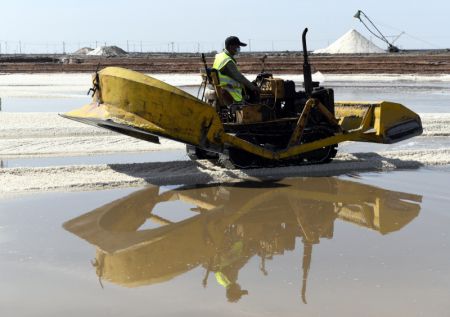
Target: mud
pixel 287 63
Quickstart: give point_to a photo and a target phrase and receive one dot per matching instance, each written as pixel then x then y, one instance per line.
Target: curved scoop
pixel 132 103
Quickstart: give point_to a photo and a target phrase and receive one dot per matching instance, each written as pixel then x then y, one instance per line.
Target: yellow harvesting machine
pixel 284 127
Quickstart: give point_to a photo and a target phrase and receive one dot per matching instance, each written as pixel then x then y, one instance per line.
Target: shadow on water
pixel 230 225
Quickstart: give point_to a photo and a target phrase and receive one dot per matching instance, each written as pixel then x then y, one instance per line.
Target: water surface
pixel 372 245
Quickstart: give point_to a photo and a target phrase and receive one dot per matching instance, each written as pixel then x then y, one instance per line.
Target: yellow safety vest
pixel 226 82
pixel 234 254
pixel 222 279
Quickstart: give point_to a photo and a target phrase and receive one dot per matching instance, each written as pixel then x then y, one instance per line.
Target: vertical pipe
pixel 307 77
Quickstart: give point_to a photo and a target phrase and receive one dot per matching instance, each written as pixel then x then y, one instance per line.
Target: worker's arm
pixel 231 70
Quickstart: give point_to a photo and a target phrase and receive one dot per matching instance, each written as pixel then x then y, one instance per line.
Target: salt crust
pixel 89 177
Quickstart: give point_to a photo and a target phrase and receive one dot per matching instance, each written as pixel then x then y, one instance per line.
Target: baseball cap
pixel 233 40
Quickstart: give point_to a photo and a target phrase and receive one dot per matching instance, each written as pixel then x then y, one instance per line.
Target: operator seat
pixel 224 98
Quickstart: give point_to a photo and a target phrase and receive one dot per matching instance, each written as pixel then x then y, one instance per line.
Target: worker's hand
pixel 255 94
pixel 256 89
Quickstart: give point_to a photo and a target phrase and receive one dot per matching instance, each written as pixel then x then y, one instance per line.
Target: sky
pixel 200 25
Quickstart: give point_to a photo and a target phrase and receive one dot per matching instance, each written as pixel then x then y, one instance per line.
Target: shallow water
pixel 43 104
pixel 423 97
pixel 370 244
pixel 117 158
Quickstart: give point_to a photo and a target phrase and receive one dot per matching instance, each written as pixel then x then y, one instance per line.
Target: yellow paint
pixel 130 255
pixel 133 99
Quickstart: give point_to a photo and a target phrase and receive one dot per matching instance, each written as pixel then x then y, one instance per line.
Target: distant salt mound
pixel 108 51
pixel 83 51
pixel 351 42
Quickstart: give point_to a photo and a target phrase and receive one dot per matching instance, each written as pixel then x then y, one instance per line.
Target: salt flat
pixel 45 134
pixel 378 221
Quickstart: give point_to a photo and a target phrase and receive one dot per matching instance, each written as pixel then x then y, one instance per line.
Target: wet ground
pixel 357 244
pixel 370 244
pixel 424 97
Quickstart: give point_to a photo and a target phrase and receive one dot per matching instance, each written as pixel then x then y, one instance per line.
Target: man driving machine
pixel 231 79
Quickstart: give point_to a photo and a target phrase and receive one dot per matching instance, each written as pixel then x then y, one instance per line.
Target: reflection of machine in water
pixel 232 224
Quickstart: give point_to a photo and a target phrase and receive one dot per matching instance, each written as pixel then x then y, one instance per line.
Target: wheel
pixel 321 155
pixel 238 158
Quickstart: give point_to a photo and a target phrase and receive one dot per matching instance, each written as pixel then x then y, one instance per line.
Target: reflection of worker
pixel 231 79
pixel 233 289
pixel 230 263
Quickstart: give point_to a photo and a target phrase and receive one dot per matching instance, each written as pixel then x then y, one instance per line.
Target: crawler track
pixel 233 158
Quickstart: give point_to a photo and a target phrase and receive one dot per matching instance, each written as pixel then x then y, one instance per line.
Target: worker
pixel 231 79
pixel 230 261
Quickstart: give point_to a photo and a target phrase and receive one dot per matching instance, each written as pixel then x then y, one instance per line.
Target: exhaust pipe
pixel 307 77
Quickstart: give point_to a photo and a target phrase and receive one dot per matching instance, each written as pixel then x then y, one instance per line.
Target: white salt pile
pixel 108 51
pixel 351 42
pixel 83 51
